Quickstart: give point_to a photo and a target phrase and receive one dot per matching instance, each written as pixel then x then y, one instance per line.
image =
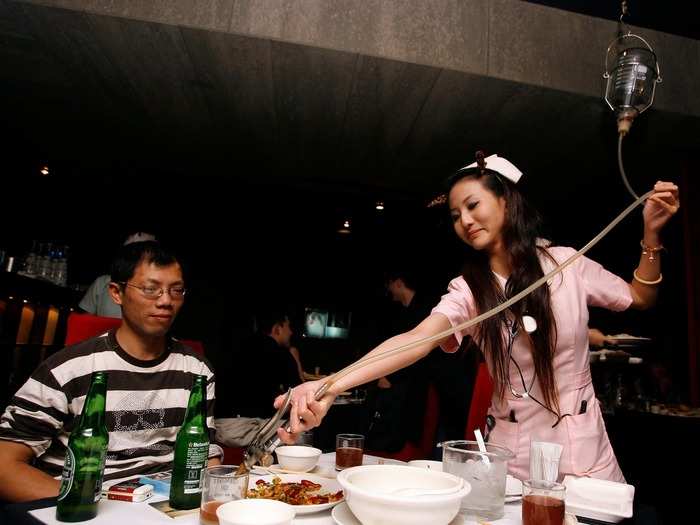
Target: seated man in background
pixel 149 378
pixel 266 367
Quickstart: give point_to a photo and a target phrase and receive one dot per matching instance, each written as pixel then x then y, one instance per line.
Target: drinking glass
pixel 306 438
pixel 485 472
pixel 543 502
pixel 349 449
pixel 221 484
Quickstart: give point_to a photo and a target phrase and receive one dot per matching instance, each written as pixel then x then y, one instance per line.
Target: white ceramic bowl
pixel 426 463
pixel 297 458
pixel 255 512
pixel 371 494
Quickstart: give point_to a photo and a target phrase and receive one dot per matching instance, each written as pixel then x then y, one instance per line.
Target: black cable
pixel 528 394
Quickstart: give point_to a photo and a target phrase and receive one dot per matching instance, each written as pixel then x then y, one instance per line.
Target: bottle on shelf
pixel 30 262
pixel 59 266
pixel 44 261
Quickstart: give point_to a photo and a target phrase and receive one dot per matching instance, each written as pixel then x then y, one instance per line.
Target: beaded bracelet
pixel 644 281
pixel 650 251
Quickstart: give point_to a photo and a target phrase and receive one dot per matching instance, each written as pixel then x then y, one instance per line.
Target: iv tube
pixel 471 322
pixel 622 168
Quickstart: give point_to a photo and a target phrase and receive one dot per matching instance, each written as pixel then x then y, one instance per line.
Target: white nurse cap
pixel 502 166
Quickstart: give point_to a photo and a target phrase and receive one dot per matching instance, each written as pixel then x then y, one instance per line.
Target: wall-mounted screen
pixel 326 324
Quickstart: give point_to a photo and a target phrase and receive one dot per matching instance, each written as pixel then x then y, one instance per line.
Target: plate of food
pixel 626 340
pixel 305 492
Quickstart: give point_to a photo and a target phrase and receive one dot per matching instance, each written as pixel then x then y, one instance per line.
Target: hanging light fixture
pixel 44 170
pixel 379 206
pixel 345 228
pixel 631 74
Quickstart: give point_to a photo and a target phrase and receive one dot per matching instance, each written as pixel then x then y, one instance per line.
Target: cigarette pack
pixel 131 490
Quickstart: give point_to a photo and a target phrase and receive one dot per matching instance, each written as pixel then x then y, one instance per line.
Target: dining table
pixel 112 512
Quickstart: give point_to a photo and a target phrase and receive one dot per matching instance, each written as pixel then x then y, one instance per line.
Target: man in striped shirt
pixel 149 379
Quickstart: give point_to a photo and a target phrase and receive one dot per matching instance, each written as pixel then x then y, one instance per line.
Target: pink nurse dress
pixel 586 447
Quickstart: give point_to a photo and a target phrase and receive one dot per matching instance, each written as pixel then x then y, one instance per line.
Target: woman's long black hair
pixel 520 234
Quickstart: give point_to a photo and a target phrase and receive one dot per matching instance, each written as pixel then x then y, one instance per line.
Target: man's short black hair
pixel 269 317
pixel 405 274
pixel 131 255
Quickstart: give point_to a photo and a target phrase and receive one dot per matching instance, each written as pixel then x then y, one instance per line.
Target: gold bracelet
pixel 650 251
pixel 644 281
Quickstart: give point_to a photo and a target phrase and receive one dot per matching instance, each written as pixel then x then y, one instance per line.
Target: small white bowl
pixel 255 512
pixel 373 493
pixel 427 463
pixel 297 458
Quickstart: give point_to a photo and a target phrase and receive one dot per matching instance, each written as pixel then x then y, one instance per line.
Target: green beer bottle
pixel 191 450
pixel 81 481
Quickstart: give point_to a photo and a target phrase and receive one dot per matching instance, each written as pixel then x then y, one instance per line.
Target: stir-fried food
pixel 304 492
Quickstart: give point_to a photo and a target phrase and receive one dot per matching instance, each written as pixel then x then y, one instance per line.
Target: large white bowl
pixel 255 512
pixel 426 463
pixel 370 492
pixel 297 458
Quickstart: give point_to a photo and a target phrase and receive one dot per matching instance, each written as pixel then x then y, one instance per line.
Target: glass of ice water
pixel 485 472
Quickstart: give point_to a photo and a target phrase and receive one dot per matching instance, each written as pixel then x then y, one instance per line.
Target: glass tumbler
pixel 221 484
pixel 543 502
pixel 485 472
pixel 349 449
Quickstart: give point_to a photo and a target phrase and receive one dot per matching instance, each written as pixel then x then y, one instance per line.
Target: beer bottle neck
pixel 196 406
pixel 93 414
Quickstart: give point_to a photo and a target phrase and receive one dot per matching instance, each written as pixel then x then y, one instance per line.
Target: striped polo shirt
pixel 145 406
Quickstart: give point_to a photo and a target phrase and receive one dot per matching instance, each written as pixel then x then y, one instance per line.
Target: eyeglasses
pixel 527 391
pixel 154 292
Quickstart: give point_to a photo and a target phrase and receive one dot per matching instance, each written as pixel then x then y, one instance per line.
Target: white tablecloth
pixel 113 512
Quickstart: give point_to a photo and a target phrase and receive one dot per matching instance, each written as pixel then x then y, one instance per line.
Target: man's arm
pixel 19 481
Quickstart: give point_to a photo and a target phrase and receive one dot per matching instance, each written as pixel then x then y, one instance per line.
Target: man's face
pixel 394 287
pixel 151 317
pixel 284 334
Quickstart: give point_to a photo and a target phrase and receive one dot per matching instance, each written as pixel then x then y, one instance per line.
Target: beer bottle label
pixel 67 474
pixel 194 464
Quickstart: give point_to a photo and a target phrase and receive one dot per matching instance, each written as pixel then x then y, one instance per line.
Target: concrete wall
pixel 506 39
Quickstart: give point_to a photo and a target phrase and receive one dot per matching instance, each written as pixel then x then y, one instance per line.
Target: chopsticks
pixel 275 470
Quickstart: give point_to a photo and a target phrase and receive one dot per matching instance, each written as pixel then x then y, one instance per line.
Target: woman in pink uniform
pixel 537 351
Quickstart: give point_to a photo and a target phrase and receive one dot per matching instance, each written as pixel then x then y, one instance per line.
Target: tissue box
pixel 599 499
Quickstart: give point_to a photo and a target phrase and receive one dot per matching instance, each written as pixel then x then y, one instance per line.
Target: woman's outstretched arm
pixel 307 413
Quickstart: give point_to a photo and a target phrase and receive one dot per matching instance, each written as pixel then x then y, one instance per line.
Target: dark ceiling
pixel 215 135
pixel 101 97
pixel 677 17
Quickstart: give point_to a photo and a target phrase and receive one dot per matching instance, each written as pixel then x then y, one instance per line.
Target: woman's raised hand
pixel 661 206
pixel 306 412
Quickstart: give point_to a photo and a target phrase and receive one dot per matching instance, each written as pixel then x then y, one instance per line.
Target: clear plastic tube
pixel 494 311
pixel 622 168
